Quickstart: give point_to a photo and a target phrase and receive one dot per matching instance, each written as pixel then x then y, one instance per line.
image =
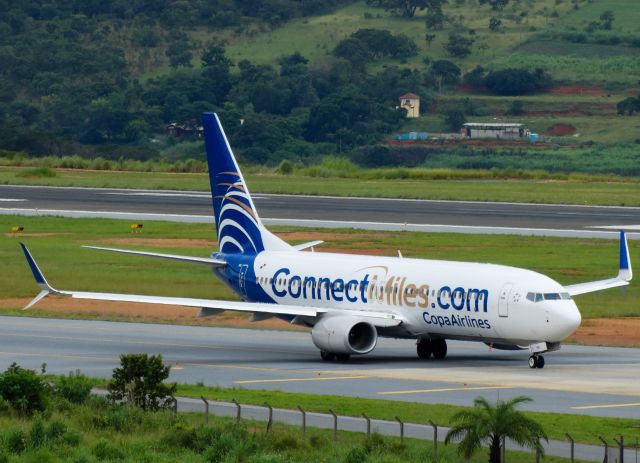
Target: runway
pixel 324 211
pixel 578 379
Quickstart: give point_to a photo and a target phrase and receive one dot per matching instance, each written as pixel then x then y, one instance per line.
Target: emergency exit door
pixel 503 301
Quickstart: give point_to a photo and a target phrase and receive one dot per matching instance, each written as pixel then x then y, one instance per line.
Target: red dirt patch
pixel 609 331
pixel 561 130
pixel 577 90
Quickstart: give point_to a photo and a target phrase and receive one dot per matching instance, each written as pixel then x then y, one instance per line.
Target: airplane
pixel 349 301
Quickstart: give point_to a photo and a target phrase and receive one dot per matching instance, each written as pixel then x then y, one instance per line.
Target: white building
pixel 495 130
pixel 411 102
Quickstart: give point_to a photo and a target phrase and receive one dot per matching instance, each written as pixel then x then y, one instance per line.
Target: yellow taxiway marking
pixel 448 389
pixel 293 380
pixel 589 407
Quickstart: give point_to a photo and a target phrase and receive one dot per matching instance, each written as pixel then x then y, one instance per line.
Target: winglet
pixel 38 276
pixel 624 273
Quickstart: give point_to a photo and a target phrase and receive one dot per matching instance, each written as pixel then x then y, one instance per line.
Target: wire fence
pixel 616 451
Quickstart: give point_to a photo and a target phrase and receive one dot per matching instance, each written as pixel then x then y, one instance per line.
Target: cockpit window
pixel 537 297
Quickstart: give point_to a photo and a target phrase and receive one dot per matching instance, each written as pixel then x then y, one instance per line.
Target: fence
pixel 609 452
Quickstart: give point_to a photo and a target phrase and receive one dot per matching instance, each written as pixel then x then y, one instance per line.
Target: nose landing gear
pixel 536 361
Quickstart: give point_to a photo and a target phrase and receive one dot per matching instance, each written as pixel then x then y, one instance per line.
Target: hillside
pixel 315 78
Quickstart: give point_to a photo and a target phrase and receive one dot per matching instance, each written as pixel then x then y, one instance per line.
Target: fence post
pixel 606 450
pixel 304 420
pixel 621 446
pixel 435 440
pixel 573 446
pixel 175 405
pixel 238 410
pixel 335 426
pixel 206 410
pixel 364 415
pixel 401 429
pixel 270 421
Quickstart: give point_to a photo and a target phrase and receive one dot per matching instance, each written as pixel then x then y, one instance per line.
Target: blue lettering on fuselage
pixel 396 291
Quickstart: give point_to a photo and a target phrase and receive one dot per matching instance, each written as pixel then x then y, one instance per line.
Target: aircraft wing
pixel 188 259
pixel 379 319
pixel 623 278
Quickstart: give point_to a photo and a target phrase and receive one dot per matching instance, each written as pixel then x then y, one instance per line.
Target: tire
pixel 424 349
pixel 540 361
pixel 439 349
pixel 533 362
pixel 327 356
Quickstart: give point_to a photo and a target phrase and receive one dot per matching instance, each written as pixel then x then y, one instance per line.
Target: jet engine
pixel 344 335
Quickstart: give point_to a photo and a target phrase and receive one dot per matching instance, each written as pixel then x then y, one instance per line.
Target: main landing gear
pixel 536 361
pixel 431 347
pixel 330 357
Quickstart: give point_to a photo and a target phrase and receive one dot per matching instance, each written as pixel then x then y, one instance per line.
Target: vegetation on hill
pixel 300 80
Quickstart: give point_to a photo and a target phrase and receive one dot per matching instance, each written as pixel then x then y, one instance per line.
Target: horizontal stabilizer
pixel 623 278
pixel 187 259
pixel 310 244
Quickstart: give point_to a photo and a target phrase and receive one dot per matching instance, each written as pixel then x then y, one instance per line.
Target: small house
pixel 411 102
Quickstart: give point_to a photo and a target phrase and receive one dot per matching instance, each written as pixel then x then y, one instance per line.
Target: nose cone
pixel 566 319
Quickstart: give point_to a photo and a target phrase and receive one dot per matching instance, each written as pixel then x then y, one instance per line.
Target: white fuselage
pixel 446 299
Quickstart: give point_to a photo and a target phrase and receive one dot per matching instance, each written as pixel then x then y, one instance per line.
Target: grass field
pixel 317 36
pixel 574 189
pixel 585 429
pixel 55 242
pixel 96 431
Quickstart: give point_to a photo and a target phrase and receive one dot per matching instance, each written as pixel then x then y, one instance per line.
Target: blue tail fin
pixel 239 227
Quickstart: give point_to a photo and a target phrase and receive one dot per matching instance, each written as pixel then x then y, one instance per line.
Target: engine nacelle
pixel 344 335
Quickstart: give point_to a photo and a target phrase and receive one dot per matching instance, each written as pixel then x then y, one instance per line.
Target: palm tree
pixel 490 423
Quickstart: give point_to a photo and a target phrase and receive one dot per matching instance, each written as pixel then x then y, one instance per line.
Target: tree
pixel 179 50
pixel 429 38
pixel 454 118
pixel 434 19
pixel 606 20
pixel 23 389
pixel 489 423
pixel 495 24
pixel 515 81
pixel 496 5
pixel 628 105
pixel 139 382
pixel 408 7
pixel 458 45
pixel 444 72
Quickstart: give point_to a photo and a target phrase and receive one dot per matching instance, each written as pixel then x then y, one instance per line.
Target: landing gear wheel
pixel 540 361
pixel 424 348
pixel 343 357
pixel 533 361
pixel 439 348
pixel 327 356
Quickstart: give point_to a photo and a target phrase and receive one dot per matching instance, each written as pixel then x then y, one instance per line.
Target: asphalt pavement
pixel 327 211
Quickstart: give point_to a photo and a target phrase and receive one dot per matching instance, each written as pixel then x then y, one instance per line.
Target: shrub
pixel 37 172
pixel 16 441
pixel 38 435
pixel 285 167
pixel 75 387
pixel 139 382
pixel 23 389
pixel 103 450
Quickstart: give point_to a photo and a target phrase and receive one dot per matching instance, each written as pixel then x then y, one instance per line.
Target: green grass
pixel 434 184
pixel 317 36
pixel 55 243
pixel 584 429
pixel 97 431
